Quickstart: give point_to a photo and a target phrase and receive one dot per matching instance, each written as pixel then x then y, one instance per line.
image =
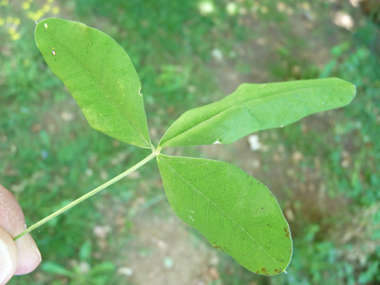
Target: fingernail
pixel 37 251
pixel 5 262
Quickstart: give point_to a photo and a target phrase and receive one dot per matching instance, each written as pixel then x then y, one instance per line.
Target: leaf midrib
pixel 100 84
pixel 238 105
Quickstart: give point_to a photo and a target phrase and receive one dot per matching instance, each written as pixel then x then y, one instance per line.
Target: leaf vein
pixel 101 84
pixel 240 104
pixel 220 210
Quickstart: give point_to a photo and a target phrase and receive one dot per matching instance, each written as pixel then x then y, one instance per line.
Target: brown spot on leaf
pixel 287 234
pixel 218 247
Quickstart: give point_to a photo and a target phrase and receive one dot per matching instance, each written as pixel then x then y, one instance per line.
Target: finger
pixel 12 221
pixel 11 216
pixel 29 257
pixel 8 254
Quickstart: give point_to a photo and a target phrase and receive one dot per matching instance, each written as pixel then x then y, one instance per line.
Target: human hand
pixel 20 257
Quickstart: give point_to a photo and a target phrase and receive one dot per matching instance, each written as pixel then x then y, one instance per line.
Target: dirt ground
pixel 164 251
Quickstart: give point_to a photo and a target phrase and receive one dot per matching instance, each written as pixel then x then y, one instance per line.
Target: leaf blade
pixel 254 107
pixel 99 75
pixel 234 211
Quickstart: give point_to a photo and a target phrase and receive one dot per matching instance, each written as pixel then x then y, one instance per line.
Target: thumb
pixel 12 222
pixel 8 257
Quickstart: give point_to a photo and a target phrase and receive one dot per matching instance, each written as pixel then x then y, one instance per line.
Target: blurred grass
pixel 187 57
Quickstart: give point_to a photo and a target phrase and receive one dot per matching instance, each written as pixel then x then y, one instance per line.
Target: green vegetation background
pixel 324 170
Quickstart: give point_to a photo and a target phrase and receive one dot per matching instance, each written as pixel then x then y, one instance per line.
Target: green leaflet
pixel 99 75
pixel 233 210
pixel 254 107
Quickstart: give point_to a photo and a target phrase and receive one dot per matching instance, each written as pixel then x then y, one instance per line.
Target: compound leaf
pixel 254 107
pixel 234 211
pixel 99 75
